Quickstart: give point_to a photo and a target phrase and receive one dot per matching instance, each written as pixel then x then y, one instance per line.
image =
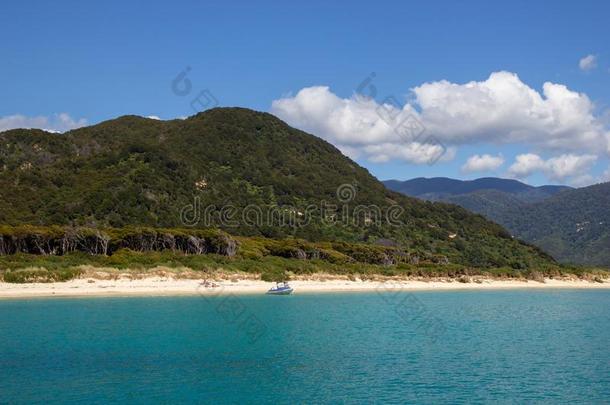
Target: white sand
pixel 157 286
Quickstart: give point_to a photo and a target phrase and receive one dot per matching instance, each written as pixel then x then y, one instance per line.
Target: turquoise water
pixel 426 347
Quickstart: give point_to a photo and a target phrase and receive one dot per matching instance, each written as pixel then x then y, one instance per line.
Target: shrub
pixel 275 275
pixel 40 275
pixel 536 276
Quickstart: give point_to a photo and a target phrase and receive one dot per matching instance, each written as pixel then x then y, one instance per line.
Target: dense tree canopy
pixel 145 172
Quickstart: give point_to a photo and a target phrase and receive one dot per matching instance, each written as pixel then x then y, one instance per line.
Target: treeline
pixel 47 254
pixel 57 240
pixel 334 252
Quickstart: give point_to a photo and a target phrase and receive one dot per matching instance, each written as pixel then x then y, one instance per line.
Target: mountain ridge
pixel 570 224
pixel 435 188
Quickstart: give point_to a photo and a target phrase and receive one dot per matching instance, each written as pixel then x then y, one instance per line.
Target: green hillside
pixel 573 225
pixel 223 163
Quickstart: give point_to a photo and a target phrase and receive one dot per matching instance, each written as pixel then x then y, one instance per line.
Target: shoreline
pixel 168 286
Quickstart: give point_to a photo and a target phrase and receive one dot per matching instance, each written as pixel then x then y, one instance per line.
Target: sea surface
pixel 546 346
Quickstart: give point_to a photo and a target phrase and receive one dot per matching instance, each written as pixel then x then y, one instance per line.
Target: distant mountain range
pixel 442 188
pixel 573 225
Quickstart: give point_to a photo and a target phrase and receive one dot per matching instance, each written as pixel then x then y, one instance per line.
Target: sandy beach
pixel 167 286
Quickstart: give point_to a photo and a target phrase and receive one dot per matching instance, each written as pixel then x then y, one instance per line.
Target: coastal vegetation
pixel 88 189
pixel 135 194
pixel 47 254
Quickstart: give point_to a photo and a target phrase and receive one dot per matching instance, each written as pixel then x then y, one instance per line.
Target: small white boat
pixel 280 289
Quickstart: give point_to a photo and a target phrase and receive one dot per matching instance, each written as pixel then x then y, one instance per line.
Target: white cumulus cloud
pixel 565 168
pixel 61 122
pixel 482 163
pixel 414 152
pixel 361 127
pixel 525 165
pixel 589 62
pixel 503 109
pixel 500 110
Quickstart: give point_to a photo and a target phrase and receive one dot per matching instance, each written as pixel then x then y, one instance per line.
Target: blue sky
pixel 95 61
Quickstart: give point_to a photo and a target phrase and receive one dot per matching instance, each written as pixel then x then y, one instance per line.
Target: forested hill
pixel 138 171
pixel 573 225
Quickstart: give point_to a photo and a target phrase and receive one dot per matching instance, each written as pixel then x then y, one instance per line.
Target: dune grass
pixel 23 268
